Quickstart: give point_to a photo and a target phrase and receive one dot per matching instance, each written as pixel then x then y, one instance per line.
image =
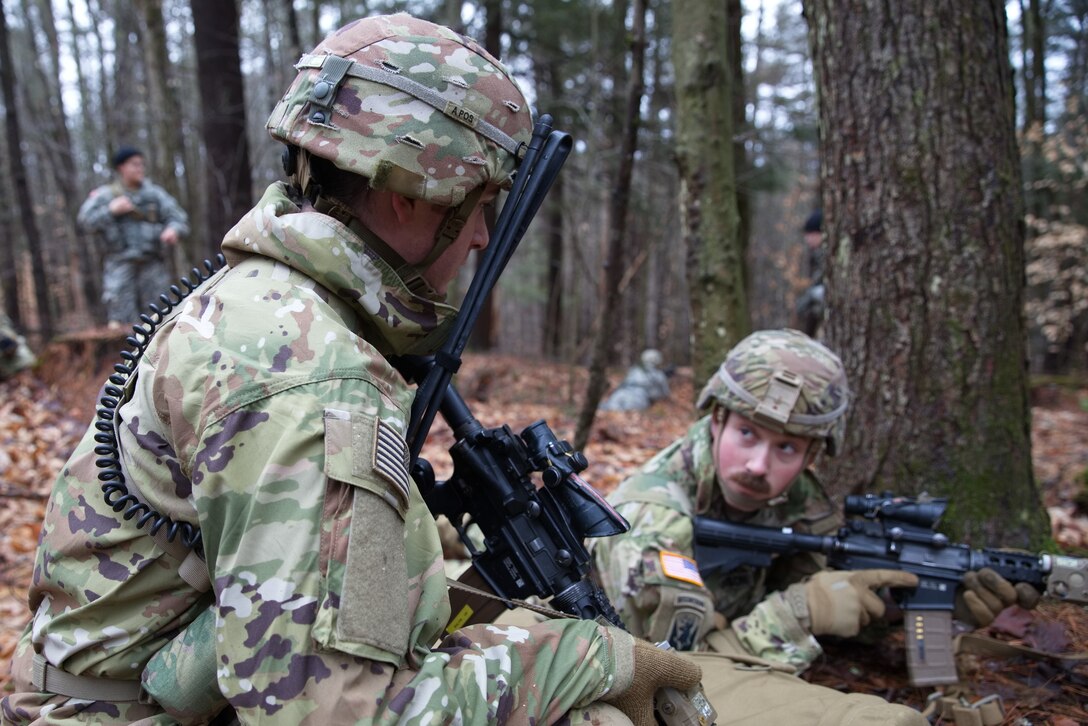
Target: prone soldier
pixel 15 355
pixel 777 402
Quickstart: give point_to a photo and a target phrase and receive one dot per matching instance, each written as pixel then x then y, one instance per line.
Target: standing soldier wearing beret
pixel 138 222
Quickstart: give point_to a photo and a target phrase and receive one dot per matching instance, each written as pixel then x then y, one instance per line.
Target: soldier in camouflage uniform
pixel 15 355
pixel 643 384
pixel 137 222
pixel 776 400
pixel 265 413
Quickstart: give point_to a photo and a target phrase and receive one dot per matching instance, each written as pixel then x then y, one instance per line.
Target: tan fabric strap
pixel 984 646
pixel 389 76
pixel 50 679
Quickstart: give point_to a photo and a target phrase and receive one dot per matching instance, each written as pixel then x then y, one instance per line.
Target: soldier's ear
pixel 403 207
pixel 717 420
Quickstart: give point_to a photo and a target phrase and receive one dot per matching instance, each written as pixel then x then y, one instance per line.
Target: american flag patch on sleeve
pixel 391 459
pixel 679 567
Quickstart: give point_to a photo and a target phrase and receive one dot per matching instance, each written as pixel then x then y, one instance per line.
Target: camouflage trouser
pixel 748 691
pixel 128 285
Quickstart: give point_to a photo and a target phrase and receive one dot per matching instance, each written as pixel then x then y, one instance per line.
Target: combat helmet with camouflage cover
pixel 413 107
pixel 786 381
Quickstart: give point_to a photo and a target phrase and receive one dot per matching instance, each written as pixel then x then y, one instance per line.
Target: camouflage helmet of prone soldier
pixel 785 381
pixel 412 106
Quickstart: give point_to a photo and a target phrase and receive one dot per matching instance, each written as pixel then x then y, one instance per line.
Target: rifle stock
pixel 897 533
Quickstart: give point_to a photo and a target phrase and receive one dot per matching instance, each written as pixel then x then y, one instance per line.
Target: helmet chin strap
pixel 453 222
pixel 412 275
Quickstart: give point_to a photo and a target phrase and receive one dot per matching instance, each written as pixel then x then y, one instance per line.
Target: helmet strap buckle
pixel 777 405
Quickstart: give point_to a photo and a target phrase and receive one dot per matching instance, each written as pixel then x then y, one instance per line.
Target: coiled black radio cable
pixel 114 489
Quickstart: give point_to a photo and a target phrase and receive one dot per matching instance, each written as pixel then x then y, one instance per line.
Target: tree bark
pixel 923 214
pixel 17 172
pixel 734 15
pixel 294 41
pixel 618 202
pixel 708 190
pixel 125 113
pixel 222 98
pixel 167 140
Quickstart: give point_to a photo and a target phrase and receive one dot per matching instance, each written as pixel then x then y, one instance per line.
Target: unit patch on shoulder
pixel 391 458
pixel 679 567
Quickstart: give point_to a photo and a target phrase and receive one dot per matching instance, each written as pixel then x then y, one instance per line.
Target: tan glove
pixel 842 603
pixel 654 669
pixel 985 594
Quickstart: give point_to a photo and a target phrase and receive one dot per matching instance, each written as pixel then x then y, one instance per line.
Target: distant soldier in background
pixel 136 220
pixel 644 384
pixel 810 306
pixel 15 355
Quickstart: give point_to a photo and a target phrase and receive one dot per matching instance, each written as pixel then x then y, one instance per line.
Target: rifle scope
pixel 903 510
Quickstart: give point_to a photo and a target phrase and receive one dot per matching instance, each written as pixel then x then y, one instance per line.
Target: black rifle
pixel 890 532
pixel 533 538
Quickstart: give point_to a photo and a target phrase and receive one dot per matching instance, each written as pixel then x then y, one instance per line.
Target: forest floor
pixel 43 414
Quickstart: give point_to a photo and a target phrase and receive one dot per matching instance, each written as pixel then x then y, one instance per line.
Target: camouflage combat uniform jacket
pixel 134 235
pixel 659 502
pixel 265 412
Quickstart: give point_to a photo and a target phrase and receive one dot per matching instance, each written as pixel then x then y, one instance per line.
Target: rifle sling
pixel 472 602
pixel 991 647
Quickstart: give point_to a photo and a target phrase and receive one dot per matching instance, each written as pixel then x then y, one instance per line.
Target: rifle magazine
pixel 930 656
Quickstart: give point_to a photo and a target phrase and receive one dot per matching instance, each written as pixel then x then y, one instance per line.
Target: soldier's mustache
pixel 752 482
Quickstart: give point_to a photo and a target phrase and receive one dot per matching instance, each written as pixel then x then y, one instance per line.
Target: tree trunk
pixel 617 204
pixel 126 109
pixel 167 140
pixel 734 15
pixel 708 191
pixel 219 75
pixel 17 172
pixel 922 210
pixel 294 42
